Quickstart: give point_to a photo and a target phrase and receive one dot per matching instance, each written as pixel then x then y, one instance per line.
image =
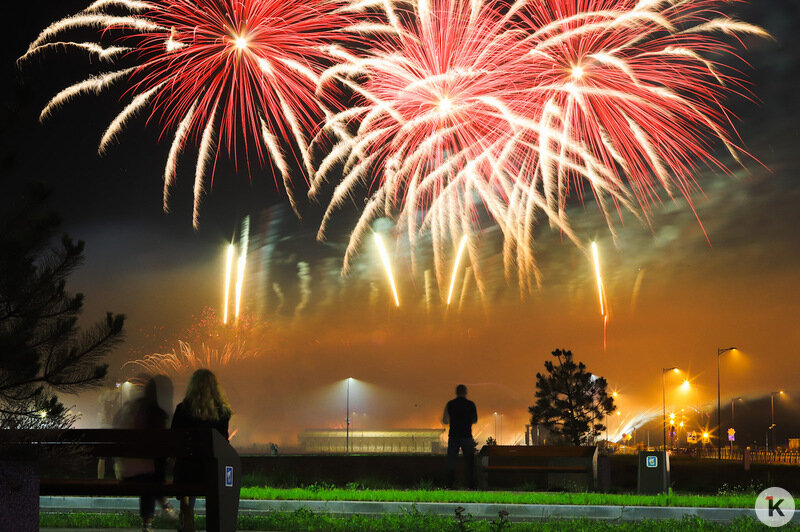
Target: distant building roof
pixel 372 441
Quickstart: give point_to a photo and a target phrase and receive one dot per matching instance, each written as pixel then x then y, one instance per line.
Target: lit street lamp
pixel 733 401
pixel 720 352
pixel 664 397
pixel 347 418
pixel 772 410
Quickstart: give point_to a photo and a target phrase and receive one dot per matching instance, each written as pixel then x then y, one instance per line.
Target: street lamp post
pixel 347 418
pixel 733 418
pixel 772 417
pixel 664 412
pixel 720 351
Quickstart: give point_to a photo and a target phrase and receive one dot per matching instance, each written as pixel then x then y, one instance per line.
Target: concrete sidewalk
pixel 517 512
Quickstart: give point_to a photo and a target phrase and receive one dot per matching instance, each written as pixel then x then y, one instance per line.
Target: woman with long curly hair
pixel 203 407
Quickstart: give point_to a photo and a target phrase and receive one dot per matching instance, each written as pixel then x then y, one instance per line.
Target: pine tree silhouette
pixel 570 401
pixel 42 350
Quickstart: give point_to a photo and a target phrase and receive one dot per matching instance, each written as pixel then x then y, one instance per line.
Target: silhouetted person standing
pixel 460 413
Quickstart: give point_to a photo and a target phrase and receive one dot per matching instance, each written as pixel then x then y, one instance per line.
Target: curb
pixel 516 512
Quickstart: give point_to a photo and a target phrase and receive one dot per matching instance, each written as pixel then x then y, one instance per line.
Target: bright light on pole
pixel 772 410
pixel 720 351
pixel 664 372
pixel 733 419
pixel 347 418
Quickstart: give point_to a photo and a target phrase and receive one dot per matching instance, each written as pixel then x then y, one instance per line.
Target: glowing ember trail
pixel 187 358
pixel 461 248
pixel 387 266
pixel 228 271
pixel 219 71
pixel 466 108
pixel 601 293
pixel 244 244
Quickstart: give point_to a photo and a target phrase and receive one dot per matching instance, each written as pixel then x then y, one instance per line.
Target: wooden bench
pixel 545 467
pixel 221 466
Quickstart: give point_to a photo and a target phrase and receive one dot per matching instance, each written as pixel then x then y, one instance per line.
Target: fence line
pixel 756 456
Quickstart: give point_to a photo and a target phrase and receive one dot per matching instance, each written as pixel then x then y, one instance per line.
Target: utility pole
pixel 720 351
pixel 664 411
pixel 347 418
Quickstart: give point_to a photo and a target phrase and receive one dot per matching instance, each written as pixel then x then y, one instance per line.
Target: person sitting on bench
pixel 143 412
pixel 203 407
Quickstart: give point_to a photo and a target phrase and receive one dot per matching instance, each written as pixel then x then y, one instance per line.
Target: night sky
pixel 740 289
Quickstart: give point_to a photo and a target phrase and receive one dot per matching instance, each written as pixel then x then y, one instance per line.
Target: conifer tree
pixel 43 352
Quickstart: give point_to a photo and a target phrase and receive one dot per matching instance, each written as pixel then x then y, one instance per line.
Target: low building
pixel 396 441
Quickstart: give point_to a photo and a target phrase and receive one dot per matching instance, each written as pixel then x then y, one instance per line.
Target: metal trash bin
pixel 653 474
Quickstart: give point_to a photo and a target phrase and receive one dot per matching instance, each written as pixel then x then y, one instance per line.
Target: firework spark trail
pixel 464 287
pixel 387 265
pixel 187 358
pixel 601 293
pixel 637 286
pixel 461 246
pixel 599 279
pixel 95 84
pixel 470 107
pixel 105 54
pixel 304 286
pixel 428 290
pixel 244 242
pixel 241 265
pixel 174 152
pixel 244 71
pixel 228 271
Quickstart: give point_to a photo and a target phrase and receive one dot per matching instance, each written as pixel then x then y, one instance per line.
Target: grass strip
pixel 307 521
pixel 500 497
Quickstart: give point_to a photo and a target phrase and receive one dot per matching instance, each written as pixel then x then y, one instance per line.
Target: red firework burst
pixel 439 92
pixel 237 69
pixel 638 84
pixel 522 104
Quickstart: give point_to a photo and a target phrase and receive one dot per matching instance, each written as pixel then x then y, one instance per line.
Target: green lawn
pixel 306 521
pixel 502 497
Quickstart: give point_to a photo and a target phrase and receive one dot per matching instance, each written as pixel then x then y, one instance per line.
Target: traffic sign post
pixel 653 472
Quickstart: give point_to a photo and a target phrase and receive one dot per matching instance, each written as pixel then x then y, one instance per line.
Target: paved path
pixel 517 512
